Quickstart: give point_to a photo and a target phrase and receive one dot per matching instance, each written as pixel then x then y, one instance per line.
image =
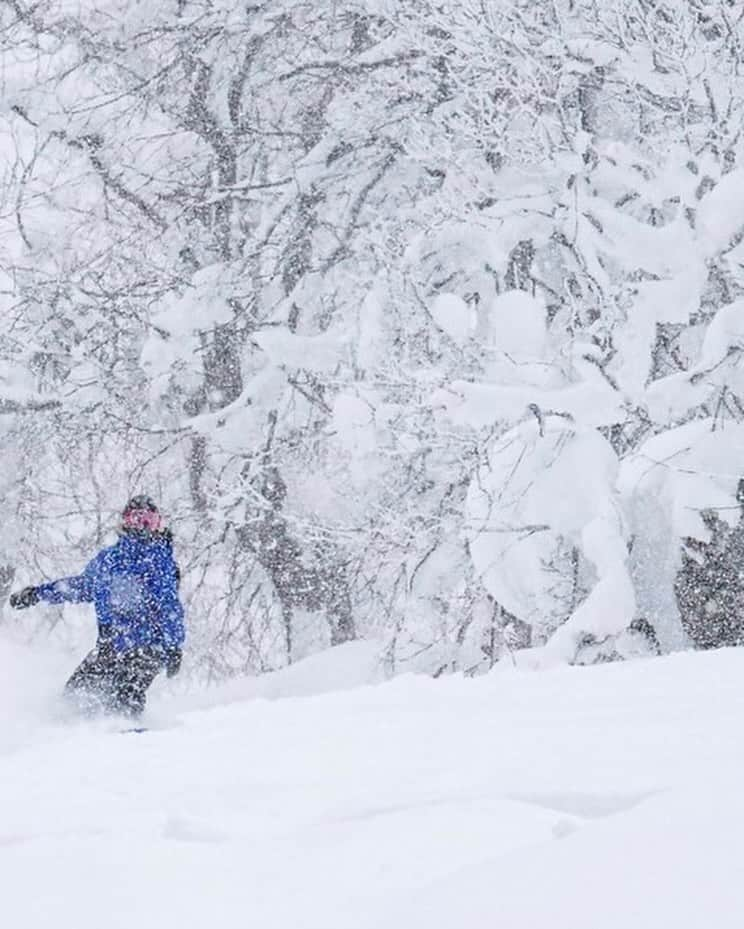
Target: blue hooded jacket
pixel 134 587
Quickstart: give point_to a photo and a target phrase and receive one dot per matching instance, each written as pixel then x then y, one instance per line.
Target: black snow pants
pixel 114 683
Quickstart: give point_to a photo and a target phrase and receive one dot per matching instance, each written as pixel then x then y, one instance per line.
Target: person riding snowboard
pixel 134 587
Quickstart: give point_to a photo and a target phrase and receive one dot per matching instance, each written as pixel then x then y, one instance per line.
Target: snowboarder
pixel 134 587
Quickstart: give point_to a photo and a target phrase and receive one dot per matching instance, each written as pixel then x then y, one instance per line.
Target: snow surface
pixel 567 799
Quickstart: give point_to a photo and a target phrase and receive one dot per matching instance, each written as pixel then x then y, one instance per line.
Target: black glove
pixel 24 598
pixel 173 658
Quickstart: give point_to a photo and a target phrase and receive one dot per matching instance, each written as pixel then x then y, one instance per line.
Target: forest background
pixel 423 321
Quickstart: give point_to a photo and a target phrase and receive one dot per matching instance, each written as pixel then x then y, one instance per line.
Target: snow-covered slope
pixel 570 799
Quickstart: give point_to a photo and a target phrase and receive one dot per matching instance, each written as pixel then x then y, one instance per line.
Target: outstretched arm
pixel 79 589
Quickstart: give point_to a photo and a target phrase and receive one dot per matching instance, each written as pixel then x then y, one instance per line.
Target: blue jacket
pixel 134 586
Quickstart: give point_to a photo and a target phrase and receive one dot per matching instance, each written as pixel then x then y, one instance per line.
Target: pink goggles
pixel 149 520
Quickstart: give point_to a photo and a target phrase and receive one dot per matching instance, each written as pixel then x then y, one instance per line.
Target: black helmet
pixel 141 502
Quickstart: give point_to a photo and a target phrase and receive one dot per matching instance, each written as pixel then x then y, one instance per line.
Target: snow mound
pixel 454 316
pixel 355 664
